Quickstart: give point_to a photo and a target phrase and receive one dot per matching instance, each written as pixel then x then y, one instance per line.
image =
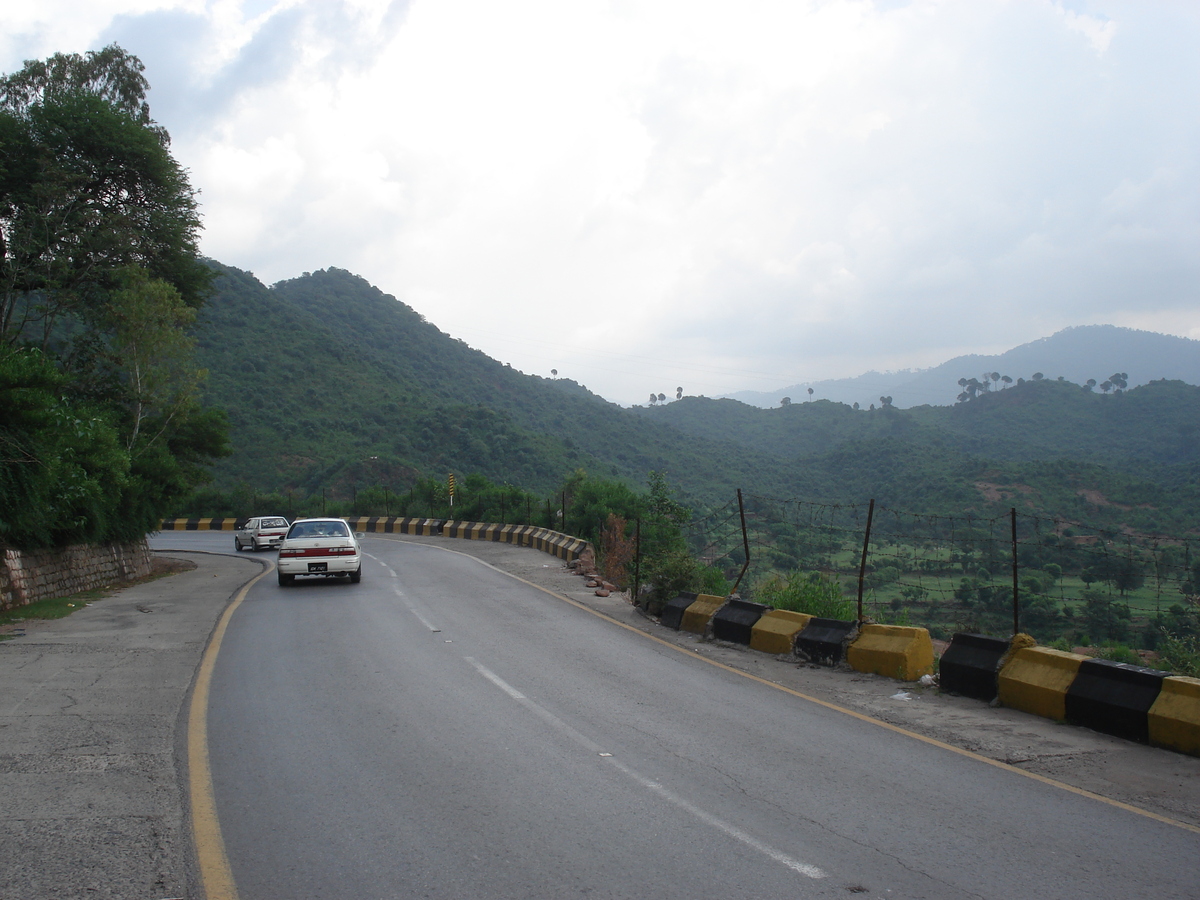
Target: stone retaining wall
pixel 30 575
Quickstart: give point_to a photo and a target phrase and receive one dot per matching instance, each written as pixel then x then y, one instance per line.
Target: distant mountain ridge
pixel 332 386
pixel 1076 354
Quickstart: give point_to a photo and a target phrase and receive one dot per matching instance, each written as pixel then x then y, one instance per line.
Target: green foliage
pixel 1180 654
pixel 1103 619
pixel 1117 652
pixel 87 190
pixel 62 463
pixel 806 592
pixel 102 431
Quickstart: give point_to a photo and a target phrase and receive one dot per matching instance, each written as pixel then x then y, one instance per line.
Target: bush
pixel 669 575
pixel 1180 654
pixel 806 592
pixel 1117 653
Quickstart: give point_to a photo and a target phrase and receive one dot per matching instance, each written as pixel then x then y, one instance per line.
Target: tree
pixel 1091 383
pixel 110 74
pixel 810 393
pixel 662 398
pixel 885 402
pixel 147 318
pixel 62 465
pixel 653 399
pixel 786 401
pixel 678 393
pixel 88 188
pixel 99 276
pixel 1007 379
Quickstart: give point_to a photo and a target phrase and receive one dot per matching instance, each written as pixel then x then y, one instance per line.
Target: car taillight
pixel 291 552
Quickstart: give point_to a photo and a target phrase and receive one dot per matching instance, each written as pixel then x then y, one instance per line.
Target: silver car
pixel 259 532
pixel 324 547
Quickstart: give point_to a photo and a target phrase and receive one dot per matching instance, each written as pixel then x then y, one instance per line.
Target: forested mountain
pixel 328 382
pixel 1075 354
pixel 331 384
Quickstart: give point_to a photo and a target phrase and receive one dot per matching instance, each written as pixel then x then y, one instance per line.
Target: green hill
pixel 331 384
pixel 328 382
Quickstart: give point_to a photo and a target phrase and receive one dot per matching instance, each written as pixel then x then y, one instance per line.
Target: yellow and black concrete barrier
pixel 895 651
pixel 564 546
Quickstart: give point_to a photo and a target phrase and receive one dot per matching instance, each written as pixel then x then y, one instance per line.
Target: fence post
pixel 1016 597
pixel 745 543
pixel 637 561
pixel 862 566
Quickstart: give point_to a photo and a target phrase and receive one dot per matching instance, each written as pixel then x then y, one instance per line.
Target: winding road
pixel 444 730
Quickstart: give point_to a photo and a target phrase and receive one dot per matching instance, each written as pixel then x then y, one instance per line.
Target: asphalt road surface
pixel 443 730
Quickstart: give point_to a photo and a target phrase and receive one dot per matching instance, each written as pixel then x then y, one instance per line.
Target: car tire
pixel 286 580
pixel 356 575
pixel 237 545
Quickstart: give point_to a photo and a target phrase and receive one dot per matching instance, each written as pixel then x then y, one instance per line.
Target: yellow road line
pixel 833 706
pixel 215 875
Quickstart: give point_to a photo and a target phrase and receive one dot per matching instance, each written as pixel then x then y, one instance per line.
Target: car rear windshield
pixel 319 529
pixel 274 523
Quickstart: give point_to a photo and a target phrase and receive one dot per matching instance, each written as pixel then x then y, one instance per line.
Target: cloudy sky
pixel 651 194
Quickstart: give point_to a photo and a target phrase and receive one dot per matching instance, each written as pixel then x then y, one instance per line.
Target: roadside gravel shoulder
pixel 91 730
pixel 1158 781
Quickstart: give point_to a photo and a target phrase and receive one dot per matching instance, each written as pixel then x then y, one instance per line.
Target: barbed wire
pixel 1072 581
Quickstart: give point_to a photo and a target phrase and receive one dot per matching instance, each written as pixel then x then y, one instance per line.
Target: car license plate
pixel 318 567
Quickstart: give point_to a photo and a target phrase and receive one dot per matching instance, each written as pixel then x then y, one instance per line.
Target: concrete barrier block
pixel 824 640
pixel 894 651
pixel 1114 698
pixel 971 664
pixel 735 620
pixel 672 613
pixel 1174 719
pixel 776 631
pixel 1036 679
pixel 697 616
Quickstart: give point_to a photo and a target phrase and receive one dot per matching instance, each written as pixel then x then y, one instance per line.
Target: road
pixel 444 730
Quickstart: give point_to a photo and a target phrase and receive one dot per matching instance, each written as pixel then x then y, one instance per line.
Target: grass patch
pixel 61 607
pixel 51 608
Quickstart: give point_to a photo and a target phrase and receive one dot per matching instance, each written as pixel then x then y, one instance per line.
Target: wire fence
pixel 1059 580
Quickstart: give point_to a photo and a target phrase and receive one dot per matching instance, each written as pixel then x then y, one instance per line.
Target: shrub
pixel 1117 653
pixel 806 592
pixel 1180 654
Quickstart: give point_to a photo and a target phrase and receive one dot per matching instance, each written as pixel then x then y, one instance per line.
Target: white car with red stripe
pixel 319 547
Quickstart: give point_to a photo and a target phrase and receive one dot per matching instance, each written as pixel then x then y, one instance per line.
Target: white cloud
pixel 642 195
